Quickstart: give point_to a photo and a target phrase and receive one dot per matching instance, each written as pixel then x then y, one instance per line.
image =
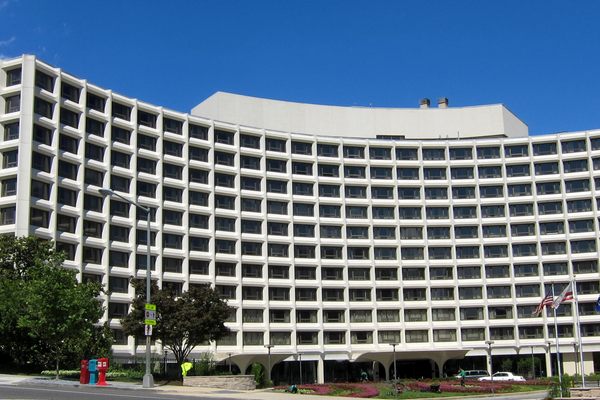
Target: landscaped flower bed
pixel 412 387
pixel 356 390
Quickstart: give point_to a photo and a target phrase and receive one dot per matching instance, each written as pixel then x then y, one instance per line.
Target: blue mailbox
pixel 93 367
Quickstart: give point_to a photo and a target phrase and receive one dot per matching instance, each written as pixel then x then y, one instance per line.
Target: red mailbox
pixel 84 375
pixel 102 369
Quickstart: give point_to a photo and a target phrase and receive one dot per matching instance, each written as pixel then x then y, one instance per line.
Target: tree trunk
pixel 57 369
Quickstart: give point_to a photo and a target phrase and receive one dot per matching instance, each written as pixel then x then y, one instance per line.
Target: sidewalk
pixel 258 394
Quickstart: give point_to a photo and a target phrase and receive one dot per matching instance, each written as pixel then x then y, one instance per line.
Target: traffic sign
pixel 150 317
pixel 148 330
pixel 150 307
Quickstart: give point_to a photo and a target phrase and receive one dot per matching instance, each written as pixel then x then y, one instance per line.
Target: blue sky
pixel 540 58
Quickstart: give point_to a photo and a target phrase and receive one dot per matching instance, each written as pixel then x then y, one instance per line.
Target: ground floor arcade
pixel 319 367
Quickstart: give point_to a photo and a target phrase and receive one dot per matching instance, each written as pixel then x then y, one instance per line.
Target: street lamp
pixel 394 350
pixel 269 347
pixel 148 381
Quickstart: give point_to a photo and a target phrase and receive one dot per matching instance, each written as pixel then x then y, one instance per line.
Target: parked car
pixel 503 377
pixel 474 374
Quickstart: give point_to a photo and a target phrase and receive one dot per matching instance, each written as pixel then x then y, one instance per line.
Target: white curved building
pixel 333 231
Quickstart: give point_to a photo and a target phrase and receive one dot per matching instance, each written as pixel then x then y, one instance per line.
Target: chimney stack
pixel 424 103
pixel 443 102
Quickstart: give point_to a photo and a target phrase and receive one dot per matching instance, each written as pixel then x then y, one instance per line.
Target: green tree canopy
pixel 182 322
pixel 47 316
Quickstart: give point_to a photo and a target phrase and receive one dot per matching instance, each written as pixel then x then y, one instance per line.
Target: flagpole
pixel 559 369
pixel 574 282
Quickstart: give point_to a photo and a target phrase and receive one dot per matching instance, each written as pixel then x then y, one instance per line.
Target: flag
pixel 598 304
pixel 565 295
pixel 546 301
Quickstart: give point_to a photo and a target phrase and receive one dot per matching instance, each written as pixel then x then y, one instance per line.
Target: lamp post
pixel 489 344
pixel 394 350
pixel 269 347
pixel 148 381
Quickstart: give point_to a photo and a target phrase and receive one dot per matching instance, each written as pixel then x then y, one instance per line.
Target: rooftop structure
pixel 422 123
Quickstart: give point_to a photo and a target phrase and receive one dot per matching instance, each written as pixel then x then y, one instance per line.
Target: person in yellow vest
pixel 186 367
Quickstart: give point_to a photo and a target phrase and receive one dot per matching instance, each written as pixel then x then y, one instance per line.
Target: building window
pixel 198 267
pixel 10 159
pixel 93 152
pixel 198 154
pixel 118 285
pixel 327 150
pixel 302 148
pixel 9 187
pixel 406 154
pixel 249 141
pixel 7 216
pixel 224 137
pixel 388 336
pixel 13 77
pixel 198 132
pixel 95 102
pixel 92 255
pixel 67 196
pixel 119 233
pixel 121 111
pixel 12 104
pixel 37 217
pixel 42 108
pixel 361 337
pixel 69 118
pixel 11 131
pixel 250 315
pixel 118 259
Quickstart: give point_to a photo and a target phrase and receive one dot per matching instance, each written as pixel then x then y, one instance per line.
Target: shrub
pixel 259 375
pixel 204 366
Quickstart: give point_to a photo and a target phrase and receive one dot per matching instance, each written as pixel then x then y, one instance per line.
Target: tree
pixel 182 322
pixel 43 306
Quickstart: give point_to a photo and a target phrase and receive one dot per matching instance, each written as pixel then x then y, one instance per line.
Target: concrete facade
pixel 332 245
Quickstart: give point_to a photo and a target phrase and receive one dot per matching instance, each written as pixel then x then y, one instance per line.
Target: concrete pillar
pixel 26 146
pixel 375 368
pixel 433 364
pixel 548 363
pixel 386 367
pixel 320 370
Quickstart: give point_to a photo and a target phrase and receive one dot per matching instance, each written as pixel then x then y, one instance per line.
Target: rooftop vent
pixel 443 102
pixel 424 103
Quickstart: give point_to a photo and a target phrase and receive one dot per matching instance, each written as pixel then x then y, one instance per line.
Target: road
pixel 44 392
pixel 32 391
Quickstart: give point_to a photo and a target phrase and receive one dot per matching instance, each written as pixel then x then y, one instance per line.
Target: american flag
pixel 565 295
pixel 546 301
